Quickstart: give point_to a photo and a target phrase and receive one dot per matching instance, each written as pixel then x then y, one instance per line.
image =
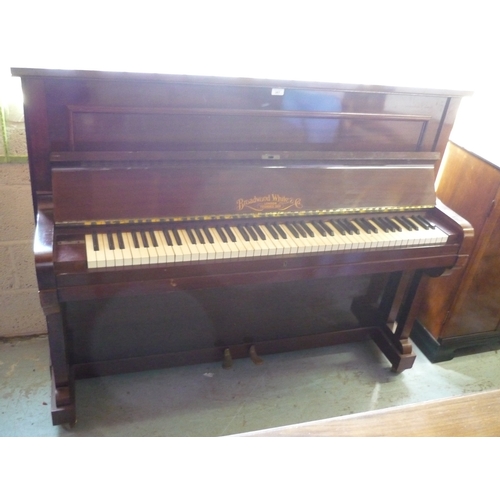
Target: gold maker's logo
pixel 269 202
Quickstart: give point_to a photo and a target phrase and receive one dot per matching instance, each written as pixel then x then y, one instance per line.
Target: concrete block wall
pixel 20 311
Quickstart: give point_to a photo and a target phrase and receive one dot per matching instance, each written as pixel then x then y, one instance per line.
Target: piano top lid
pixel 232 80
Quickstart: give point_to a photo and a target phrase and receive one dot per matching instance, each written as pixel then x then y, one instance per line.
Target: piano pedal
pixel 254 357
pixel 227 362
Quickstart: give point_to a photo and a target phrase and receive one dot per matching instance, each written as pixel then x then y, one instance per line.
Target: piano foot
pixel 400 356
pixel 63 409
pixel 254 356
pixel 227 362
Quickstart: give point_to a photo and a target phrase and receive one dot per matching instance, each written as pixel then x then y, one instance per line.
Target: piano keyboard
pixel 255 239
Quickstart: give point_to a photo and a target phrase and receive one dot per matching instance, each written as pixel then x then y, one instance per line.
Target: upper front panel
pixel 95 115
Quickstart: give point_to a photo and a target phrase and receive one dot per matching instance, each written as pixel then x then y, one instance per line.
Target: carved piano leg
pixel 63 399
pixel 393 317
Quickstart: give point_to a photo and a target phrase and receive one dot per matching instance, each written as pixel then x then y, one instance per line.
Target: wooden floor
pixel 472 415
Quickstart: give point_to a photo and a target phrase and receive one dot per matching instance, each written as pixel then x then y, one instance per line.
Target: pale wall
pixel 20 311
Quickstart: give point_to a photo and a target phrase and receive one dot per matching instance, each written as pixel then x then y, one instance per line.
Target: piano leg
pixel 393 317
pixel 63 394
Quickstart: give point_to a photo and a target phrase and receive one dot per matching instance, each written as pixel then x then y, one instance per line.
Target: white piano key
pixel 151 249
pixel 242 249
pixel 185 250
pixel 270 245
pixel 299 245
pixel 181 251
pixel 275 246
pixel 126 252
pixel 135 252
pixel 117 252
pixel 250 251
pixel 91 253
pixel 236 251
pixel 166 253
pixel 222 249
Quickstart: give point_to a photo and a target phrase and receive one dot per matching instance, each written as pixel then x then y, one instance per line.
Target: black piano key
pixel 144 239
pixel 404 223
pixel 153 238
pixel 419 222
pixel 337 226
pixel 198 232
pixel 360 225
pixel 191 236
pixel 135 240
pixel 221 233
pixel 369 225
pixel 95 242
pixel 430 225
pixel 168 239
pixel 326 227
pixel 280 231
pixel 318 228
pixel 346 227
pixel 251 232
pixel 305 228
pixel 299 229
pixel 381 224
pixel 273 232
pixel 410 222
pixel 259 231
pixel 392 224
pixel 350 225
pixel 292 229
pixel 111 243
pixel 177 237
pixel 208 235
pixel 230 233
pixel 121 243
pixel 243 232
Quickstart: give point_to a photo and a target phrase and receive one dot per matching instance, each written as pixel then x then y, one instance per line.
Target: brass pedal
pixel 254 357
pixel 227 362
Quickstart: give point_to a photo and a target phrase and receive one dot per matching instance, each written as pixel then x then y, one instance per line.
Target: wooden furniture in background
pixel 463 309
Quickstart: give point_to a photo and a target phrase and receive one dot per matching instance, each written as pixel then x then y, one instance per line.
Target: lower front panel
pixel 147 325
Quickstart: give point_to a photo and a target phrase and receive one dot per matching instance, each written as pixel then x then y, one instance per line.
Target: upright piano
pixel 186 219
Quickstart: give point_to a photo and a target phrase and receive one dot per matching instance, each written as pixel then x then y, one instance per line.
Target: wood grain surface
pixel 472 415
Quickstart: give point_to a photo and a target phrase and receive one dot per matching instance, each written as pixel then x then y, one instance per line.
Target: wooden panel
pixel 468 185
pixel 462 416
pixel 154 192
pixel 477 307
pixel 213 129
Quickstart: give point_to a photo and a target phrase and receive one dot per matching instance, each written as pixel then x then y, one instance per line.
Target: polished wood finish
pixel 183 191
pixel 472 415
pixel 127 151
pixel 463 310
